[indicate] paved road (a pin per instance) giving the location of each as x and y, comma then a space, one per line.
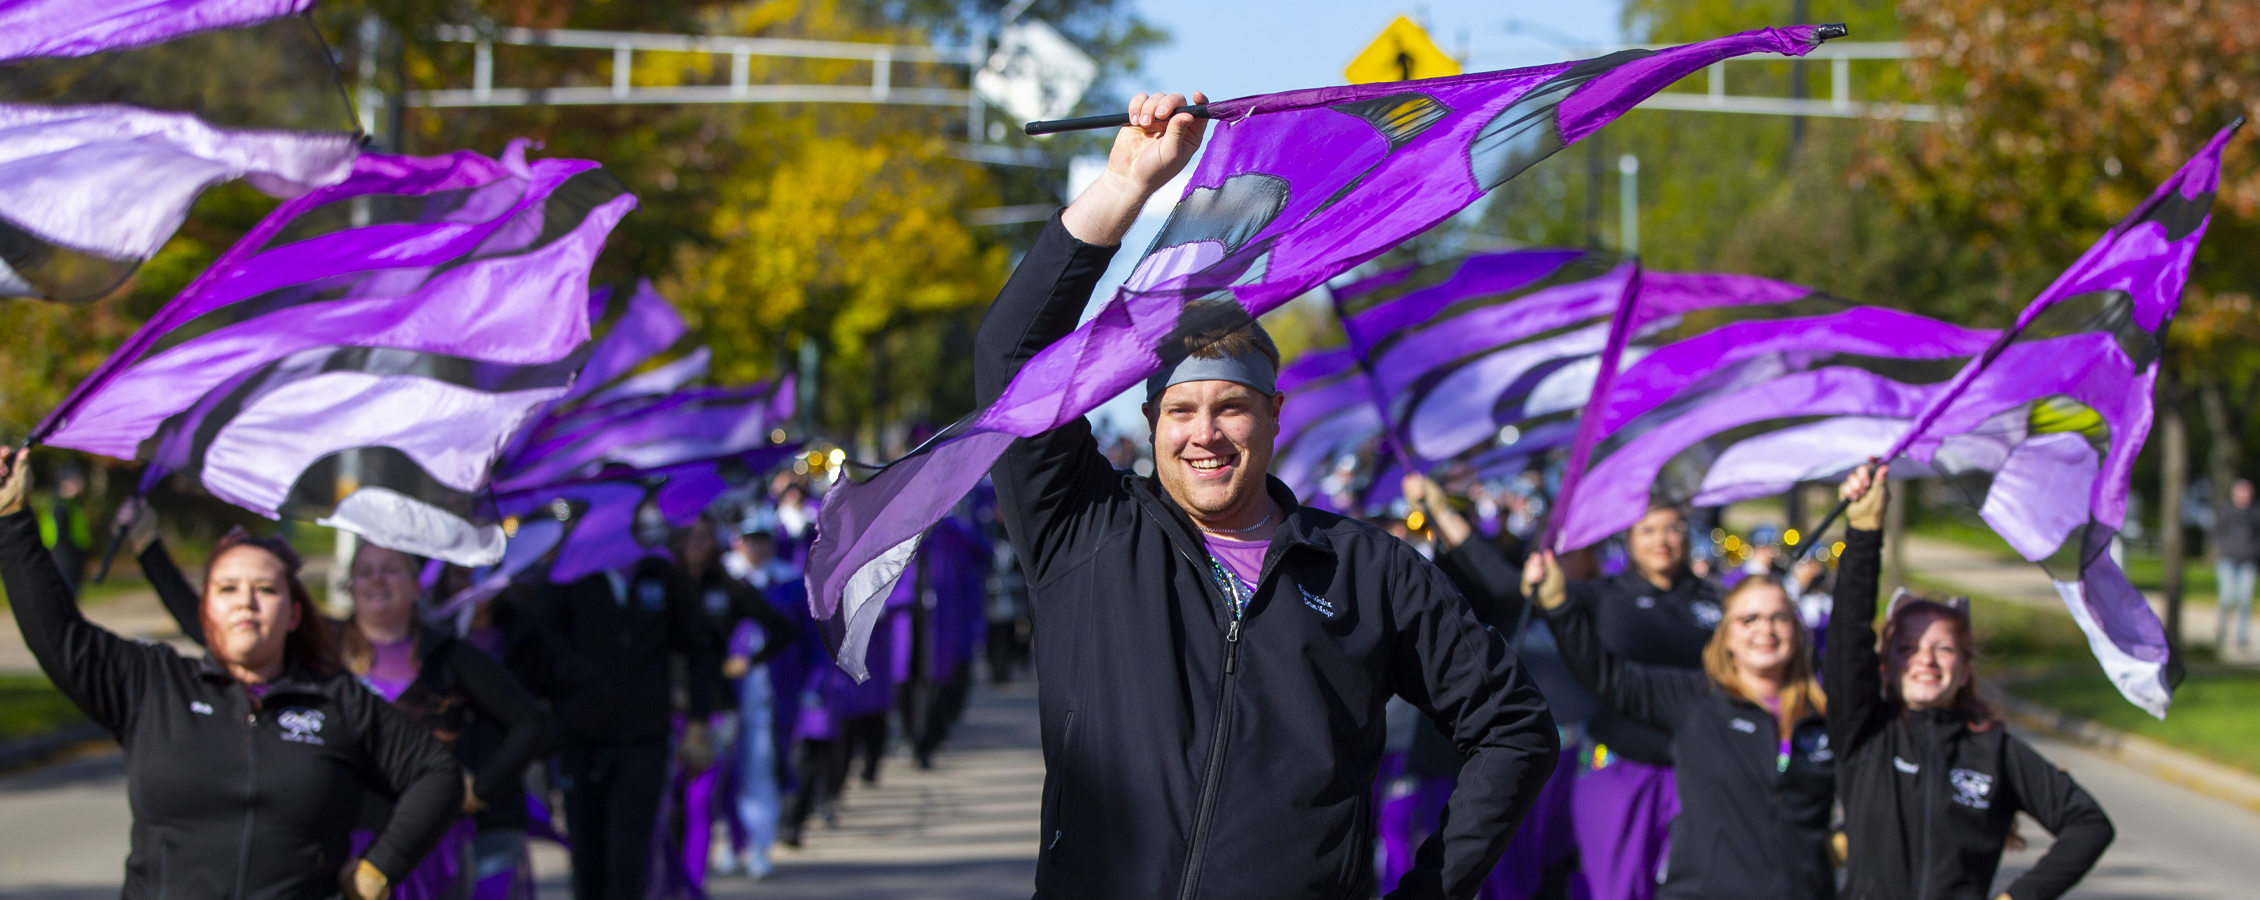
967, 830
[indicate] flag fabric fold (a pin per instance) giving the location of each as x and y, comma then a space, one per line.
1293, 189
82, 27
2039, 424
116, 114
362, 355
2043, 428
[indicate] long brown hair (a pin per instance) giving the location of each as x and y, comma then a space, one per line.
1801, 692
1980, 714
310, 644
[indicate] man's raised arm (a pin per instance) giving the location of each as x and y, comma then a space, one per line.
1040, 479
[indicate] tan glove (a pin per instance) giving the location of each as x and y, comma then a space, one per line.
1865, 487
1543, 581
698, 748
139, 519
364, 882
472, 805
17, 483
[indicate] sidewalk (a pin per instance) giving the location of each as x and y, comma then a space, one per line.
2017, 581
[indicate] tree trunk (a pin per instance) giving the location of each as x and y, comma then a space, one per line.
2227, 444
2173, 468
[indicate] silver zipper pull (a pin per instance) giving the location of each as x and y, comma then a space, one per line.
1232, 636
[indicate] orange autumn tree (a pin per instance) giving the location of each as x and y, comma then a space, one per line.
2062, 117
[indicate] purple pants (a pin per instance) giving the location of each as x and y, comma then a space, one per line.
1409, 809
1622, 813
444, 874
1544, 842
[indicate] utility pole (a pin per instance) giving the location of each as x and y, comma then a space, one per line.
1797, 12
1628, 204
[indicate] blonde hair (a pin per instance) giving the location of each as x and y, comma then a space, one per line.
1801, 690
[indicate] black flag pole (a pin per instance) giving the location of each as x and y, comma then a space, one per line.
1115, 120
1200, 110
117, 537
1819, 530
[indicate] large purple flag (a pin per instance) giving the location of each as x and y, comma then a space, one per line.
82, 27
361, 356
1294, 189
116, 114
2043, 427
2040, 423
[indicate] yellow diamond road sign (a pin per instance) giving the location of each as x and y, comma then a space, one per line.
1403, 52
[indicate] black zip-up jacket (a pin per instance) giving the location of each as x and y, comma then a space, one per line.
1187, 756
461, 695
1747, 828
232, 796
620, 646
1652, 628
1928, 800
1482, 571
726, 601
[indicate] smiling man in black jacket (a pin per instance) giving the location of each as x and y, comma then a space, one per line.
1214, 658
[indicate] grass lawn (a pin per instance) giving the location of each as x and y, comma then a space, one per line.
2216, 711
30, 705
2144, 567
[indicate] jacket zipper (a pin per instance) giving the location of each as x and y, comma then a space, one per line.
1218, 730
1930, 809
250, 796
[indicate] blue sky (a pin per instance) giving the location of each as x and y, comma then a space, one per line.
1232, 48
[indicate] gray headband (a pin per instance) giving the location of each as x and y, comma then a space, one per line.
1251, 368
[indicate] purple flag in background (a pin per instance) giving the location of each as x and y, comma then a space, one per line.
1730, 387
621, 516
81, 27
649, 432
1448, 360
1294, 188
361, 356
116, 114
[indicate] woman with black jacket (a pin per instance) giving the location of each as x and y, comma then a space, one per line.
245, 769
1755, 774
458, 693
1931, 780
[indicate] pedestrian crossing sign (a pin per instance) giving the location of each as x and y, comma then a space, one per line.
1403, 52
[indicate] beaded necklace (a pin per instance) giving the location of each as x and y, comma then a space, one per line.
1235, 589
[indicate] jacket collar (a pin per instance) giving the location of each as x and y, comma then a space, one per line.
1298, 525
293, 680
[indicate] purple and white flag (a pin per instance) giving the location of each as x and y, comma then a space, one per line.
1295, 188
362, 355
99, 189
648, 433
2040, 423
614, 519
31, 28
116, 114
